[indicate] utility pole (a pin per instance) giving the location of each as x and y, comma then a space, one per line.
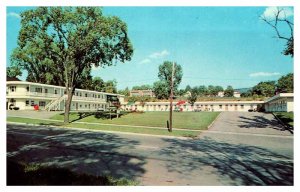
171, 99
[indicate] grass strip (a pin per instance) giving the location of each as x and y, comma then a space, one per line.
152, 131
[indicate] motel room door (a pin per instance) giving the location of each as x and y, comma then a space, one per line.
235, 107
76, 106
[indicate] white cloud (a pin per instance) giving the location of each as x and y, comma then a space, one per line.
145, 61
264, 74
13, 14
270, 12
159, 54
155, 55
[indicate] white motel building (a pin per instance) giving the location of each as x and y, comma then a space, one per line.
26, 95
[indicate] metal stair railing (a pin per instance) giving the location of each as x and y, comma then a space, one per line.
54, 104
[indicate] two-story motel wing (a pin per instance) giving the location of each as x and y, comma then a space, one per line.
26, 95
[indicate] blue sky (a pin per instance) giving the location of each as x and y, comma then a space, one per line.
215, 45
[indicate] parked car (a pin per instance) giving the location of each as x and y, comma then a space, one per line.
12, 107
100, 109
250, 110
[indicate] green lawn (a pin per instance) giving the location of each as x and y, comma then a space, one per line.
152, 131
286, 117
183, 120
192, 121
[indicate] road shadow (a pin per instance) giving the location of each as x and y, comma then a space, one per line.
262, 122
233, 164
91, 153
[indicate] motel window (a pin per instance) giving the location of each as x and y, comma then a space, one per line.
80, 106
76, 93
55, 91
46, 90
27, 89
27, 102
42, 103
86, 95
65, 92
220, 106
13, 88
32, 103
85, 106
80, 94
38, 90
98, 96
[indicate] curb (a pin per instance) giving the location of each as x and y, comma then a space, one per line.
91, 130
214, 121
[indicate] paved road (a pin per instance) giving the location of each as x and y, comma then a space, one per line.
218, 157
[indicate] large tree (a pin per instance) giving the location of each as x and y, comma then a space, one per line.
165, 75
229, 91
61, 44
161, 90
285, 83
202, 90
193, 97
266, 89
125, 92
279, 21
110, 86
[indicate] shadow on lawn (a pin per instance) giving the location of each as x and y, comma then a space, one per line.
262, 122
79, 151
242, 164
19, 174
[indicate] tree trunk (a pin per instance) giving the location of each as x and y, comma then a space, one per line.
68, 105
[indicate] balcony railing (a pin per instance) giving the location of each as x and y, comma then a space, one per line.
88, 99
53, 96
33, 94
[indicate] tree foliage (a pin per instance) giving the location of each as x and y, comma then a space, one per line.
285, 83
142, 87
110, 86
193, 98
165, 76
13, 71
266, 89
161, 90
229, 91
59, 45
125, 92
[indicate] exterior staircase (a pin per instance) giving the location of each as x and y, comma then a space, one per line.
54, 104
